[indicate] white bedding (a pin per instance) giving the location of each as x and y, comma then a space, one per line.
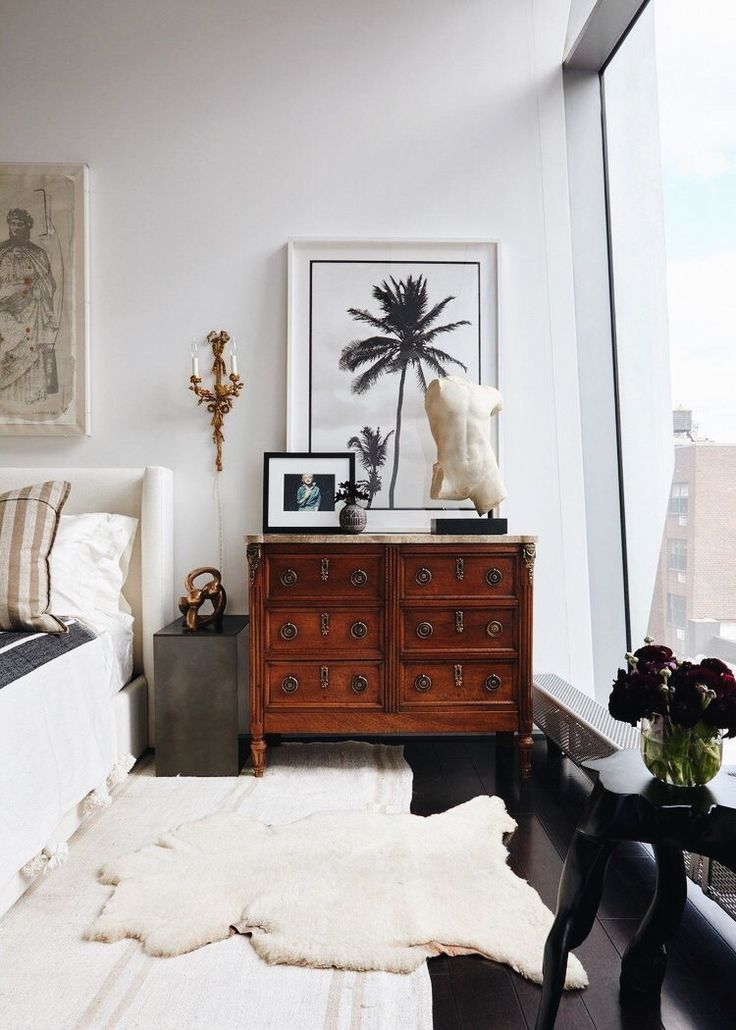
57, 741
117, 645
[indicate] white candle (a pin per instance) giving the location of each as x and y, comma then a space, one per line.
195, 357
234, 356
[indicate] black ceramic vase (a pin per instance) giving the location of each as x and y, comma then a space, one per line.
352, 518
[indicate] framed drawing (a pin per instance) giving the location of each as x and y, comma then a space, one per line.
371, 324
44, 356
299, 491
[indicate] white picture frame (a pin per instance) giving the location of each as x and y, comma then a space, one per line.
330, 277
44, 306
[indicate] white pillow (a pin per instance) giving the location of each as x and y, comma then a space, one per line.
89, 565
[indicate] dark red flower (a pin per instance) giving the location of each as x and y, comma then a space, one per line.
716, 665
655, 657
686, 697
635, 695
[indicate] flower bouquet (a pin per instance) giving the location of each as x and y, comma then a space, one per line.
683, 708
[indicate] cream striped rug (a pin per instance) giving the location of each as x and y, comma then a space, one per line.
52, 979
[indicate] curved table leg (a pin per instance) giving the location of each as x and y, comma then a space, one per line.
578, 898
644, 961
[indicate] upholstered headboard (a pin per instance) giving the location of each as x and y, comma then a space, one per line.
145, 493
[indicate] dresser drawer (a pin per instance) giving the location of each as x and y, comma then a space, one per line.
457, 574
324, 629
458, 683
356, 684
464, 629
321, 574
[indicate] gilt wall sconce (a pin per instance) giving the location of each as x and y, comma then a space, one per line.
219, 401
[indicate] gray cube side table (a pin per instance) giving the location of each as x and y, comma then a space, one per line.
196, 698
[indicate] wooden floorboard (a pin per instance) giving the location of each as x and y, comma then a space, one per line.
472, 993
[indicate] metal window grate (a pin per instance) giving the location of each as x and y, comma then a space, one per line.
583, 729
580, 726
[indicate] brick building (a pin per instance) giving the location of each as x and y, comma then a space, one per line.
695, 589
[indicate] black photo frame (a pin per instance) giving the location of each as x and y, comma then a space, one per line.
299, 489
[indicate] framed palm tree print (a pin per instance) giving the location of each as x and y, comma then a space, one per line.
371, 324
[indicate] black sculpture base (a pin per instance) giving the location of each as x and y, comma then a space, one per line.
471, 527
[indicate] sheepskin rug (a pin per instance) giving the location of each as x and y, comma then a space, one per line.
354, 890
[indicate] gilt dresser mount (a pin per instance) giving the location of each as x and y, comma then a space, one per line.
389, 634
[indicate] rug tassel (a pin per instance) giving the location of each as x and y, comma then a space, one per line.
100, 797
52, 856
56, 854
34, 866
119, 772
96, 799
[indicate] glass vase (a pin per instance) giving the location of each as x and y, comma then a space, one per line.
682, 756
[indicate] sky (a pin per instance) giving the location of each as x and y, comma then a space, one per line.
696, 71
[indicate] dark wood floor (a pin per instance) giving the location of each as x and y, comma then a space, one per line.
473, 993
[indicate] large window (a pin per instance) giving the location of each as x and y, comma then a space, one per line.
651, 142
671, 175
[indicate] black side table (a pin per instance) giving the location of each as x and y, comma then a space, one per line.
196, 698
627, 803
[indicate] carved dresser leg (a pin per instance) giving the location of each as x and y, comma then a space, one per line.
525, 756
258, 755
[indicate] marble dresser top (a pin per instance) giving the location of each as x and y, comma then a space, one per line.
386, 538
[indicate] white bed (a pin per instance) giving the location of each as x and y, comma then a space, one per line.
67, 722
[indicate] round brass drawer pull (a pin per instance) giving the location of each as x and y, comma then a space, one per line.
494, 629
359, 578
425, 630
288, 631
422, 683
359, 684
290, 685
492, 683
494, 577
358, 630
423, 576
288, 578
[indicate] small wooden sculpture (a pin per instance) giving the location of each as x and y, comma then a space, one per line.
195, 597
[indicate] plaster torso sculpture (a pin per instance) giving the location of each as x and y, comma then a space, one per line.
466, 467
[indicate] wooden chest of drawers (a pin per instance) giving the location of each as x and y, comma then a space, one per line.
390, 635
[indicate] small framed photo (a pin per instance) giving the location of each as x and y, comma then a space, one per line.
299, 491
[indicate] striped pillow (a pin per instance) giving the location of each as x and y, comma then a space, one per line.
28, 521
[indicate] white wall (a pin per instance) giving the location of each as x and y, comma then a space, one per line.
215, 131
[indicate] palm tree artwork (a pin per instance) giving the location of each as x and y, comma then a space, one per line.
373, 452
407, 332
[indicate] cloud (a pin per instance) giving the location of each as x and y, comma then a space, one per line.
702, 326
697, 86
